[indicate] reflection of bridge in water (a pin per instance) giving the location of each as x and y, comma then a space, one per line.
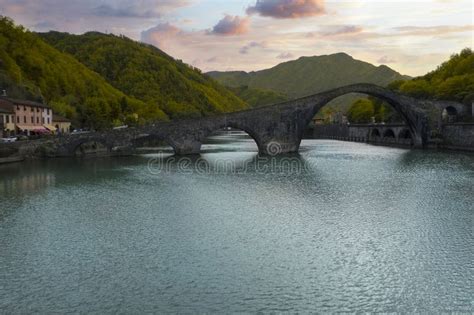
276, 128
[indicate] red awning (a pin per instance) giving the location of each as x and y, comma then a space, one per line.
38, 129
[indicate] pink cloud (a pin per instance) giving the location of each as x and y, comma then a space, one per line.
287, 9
287, 55
385, 60
231, 25
245, 49
343, 30
160, 34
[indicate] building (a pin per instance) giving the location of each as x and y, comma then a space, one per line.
7, 118
62, 124
32, 117
318, 121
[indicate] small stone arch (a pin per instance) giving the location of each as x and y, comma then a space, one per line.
375, 134
156, 138
389, 133
450, 114
74, 146
405, 137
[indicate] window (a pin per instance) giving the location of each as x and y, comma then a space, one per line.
7, 118
17, 119
32, 120
17, 107
24, 108
48, 111
49, 120
24, 119
37, 120
32, 109
37, 109
42, 120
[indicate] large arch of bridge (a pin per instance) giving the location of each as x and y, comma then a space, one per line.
371, 90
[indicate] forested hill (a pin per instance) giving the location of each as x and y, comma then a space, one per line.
31, 68
311, 75
452, 80
148, 74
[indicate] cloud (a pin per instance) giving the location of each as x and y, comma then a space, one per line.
385, 60
79, 16
139, 9
285, 56
231, 25
287, 9
160, 34
213, 59
432, 30
45, 25
245, 49
343, 30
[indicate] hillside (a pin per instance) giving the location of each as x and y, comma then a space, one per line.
148, 74
452, 80
310, 75
258, 97
31, 68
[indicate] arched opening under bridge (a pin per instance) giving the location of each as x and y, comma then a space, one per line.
450, 115
405, 137
360, 117
229, 139
153, 144
375, 134
92, 147
389, 133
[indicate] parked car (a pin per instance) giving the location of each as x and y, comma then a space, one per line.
9, 139
79, 131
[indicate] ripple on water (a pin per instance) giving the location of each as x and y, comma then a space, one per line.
361, 228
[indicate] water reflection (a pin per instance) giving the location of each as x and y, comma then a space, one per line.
360, 228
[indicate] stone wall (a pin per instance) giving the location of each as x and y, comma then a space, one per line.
363, 133
458, 136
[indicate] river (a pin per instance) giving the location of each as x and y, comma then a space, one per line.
341, 227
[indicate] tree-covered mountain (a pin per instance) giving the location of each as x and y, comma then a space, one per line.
453, 80
311, 75
31, 68
146, 73
258, 97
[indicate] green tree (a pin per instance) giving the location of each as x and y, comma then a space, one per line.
361, 111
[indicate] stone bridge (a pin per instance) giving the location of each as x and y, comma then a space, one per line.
275, 128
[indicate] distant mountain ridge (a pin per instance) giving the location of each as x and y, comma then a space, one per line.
311, 75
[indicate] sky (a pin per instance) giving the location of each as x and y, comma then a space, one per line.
411, 36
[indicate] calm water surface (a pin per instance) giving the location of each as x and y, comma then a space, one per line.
357, 228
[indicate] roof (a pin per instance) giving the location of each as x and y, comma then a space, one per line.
6, 107
57, 118
27, 103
